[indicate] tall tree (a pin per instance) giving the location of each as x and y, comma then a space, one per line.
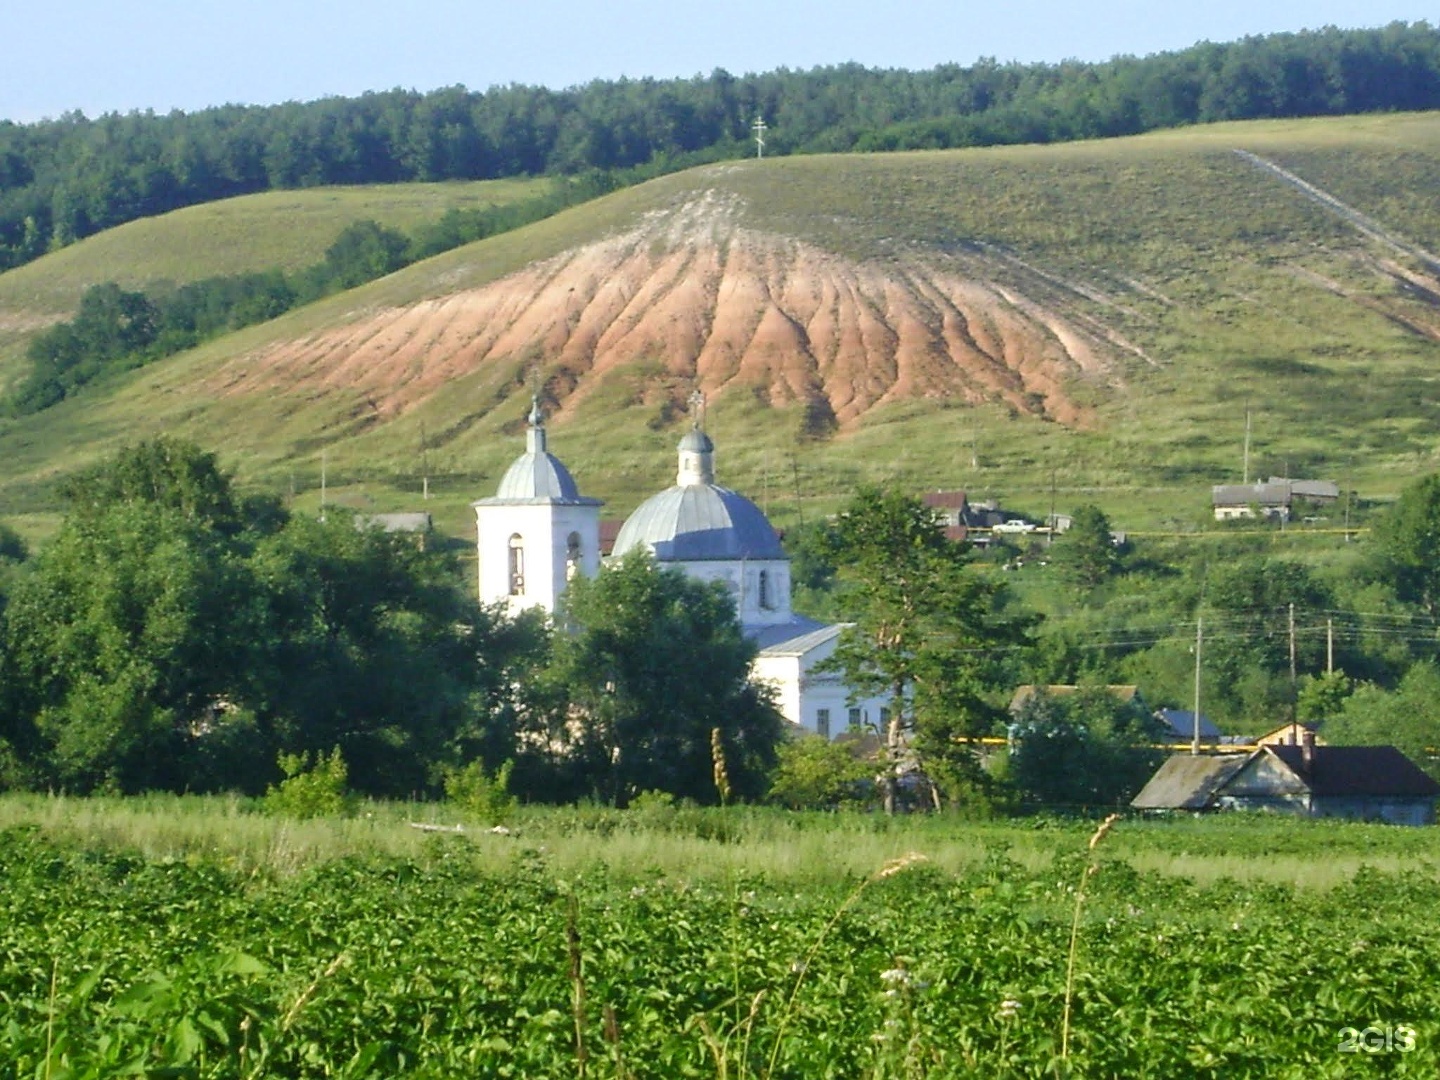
1408, 540
1085, 555
929, 632
651, 663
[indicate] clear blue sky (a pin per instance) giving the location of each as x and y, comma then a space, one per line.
104, 55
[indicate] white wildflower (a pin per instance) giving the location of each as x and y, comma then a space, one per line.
1009, 1009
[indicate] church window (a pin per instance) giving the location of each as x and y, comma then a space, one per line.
856, 718
822, 722
517, 565
572, 556
766, 600
884, 716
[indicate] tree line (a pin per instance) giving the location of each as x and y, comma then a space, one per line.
64, 179
118, 329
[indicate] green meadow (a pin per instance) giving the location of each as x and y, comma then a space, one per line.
192, 937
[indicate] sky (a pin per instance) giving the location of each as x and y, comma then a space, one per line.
121, 55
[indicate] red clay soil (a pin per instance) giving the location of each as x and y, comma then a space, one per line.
728, 306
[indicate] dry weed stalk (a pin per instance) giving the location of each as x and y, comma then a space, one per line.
1085, 875
309, 992
612, 1036
722, 774
890, 869
577, 981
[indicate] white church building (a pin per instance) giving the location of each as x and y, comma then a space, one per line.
538, 531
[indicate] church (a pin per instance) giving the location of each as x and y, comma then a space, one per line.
537, 532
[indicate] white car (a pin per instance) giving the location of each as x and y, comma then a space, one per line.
1014, 525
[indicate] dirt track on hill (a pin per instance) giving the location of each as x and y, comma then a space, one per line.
706, 299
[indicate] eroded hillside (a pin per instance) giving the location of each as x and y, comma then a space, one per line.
711, 300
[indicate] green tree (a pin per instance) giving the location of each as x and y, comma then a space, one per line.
369, 646
1085, 749
1407, 717
1085, 555
647, 664
164, 472
365, 251
814, 773
1408, 540
123, 640
929, 632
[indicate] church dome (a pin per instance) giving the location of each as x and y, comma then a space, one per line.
538, 475
699, 521
696, 442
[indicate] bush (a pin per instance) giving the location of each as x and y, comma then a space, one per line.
481, 795
310, 791
816, 774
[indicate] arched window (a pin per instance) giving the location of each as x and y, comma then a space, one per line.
572, 556
766, 600
517, 565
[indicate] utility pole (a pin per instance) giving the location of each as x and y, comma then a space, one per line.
1247, 446
324, 465
1329, 646
1199, 639
1050, 537
759, 128
974, 447
424, 463
1292, 648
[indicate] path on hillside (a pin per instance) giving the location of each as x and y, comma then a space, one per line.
1367, 225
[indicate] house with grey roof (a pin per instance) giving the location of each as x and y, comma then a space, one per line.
1369, 783
1274, 498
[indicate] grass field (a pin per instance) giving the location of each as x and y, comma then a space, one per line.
1242, 293
190, 937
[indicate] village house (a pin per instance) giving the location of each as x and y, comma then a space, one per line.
1369, 783
1272, 498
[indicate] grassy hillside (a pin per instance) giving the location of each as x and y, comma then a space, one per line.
286, 229
1223, 286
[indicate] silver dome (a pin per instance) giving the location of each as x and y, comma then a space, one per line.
696, 441
699, 521
538, 475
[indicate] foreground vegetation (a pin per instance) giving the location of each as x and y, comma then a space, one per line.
709, 943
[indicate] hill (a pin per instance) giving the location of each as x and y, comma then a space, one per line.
1088, 319
284, 229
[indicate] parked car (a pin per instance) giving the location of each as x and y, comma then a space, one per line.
1014, 525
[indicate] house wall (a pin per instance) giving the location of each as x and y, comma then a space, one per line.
1394, 809
802, 692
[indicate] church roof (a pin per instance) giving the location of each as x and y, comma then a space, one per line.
794, 638
700, 521
697, 519
537, 476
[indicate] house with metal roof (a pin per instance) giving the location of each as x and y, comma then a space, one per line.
1181, 725
1370, 783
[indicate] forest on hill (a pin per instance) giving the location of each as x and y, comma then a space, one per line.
64, 179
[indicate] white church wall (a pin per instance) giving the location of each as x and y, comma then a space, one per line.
543, 531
